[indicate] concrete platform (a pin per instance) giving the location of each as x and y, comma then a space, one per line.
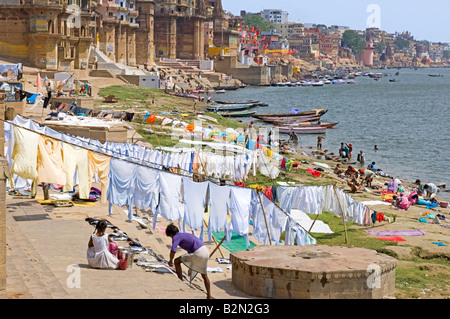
314, 272
46, 258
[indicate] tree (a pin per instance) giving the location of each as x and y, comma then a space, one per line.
401, 43
351, 39
380, 46
446, 54
258, 22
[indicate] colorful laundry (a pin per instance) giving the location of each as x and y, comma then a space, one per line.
393, 238
396, 232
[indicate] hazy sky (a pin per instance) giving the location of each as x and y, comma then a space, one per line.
426, 20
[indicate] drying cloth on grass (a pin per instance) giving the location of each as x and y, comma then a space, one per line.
393, 238
439, 243
237, 243
396, 232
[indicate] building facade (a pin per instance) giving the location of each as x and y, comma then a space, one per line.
276, 16
51, 34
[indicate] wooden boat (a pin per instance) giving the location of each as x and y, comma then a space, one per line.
239, 102
299, 130
313, 112
290, 119
185, 95
308, 124
244, 113
228, 88
229, 107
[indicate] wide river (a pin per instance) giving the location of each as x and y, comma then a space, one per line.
408, 120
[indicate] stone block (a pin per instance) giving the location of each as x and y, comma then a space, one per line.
314, 271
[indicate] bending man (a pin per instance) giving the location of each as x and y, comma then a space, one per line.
196, 258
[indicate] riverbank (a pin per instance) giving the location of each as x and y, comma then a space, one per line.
424, 269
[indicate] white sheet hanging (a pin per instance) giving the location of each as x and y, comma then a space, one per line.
219, 204
194, 197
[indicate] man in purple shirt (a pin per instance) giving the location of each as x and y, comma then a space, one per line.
196, 258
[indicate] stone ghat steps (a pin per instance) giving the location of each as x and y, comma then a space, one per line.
188, 67
28, 275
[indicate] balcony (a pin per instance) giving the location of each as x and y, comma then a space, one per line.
35, 2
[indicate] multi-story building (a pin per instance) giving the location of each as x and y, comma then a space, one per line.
276, 16
117, 28
179, 28
329, 45
51, 34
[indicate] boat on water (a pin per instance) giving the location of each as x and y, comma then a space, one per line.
185, 95
239, 102
220, 91
314, 112
300, 130
317, 83
307, 124
288, 120
227, 88
244, 113
436, 75
229, 107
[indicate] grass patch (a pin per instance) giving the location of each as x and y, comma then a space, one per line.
355, 235
162, 140
226, 122
421, 280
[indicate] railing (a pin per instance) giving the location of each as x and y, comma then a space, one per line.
42, 2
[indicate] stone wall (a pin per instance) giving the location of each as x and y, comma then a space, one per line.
3, 170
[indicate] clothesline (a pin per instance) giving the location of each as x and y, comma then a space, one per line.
158, 159
285, 197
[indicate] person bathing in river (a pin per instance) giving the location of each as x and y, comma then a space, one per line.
349, 150
319, 142
361, 158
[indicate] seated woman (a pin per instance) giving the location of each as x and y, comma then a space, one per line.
338, 169
98, 253
351, 172
404, 202
354, 183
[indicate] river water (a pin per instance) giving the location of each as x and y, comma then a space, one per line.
408, 120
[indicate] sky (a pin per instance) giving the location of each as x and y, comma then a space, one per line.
425, 20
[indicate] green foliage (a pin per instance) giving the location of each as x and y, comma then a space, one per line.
258, 22
401, 43
381, 47
446, 54
351, 39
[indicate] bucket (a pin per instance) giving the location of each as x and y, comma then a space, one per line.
443, 204
127, 255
